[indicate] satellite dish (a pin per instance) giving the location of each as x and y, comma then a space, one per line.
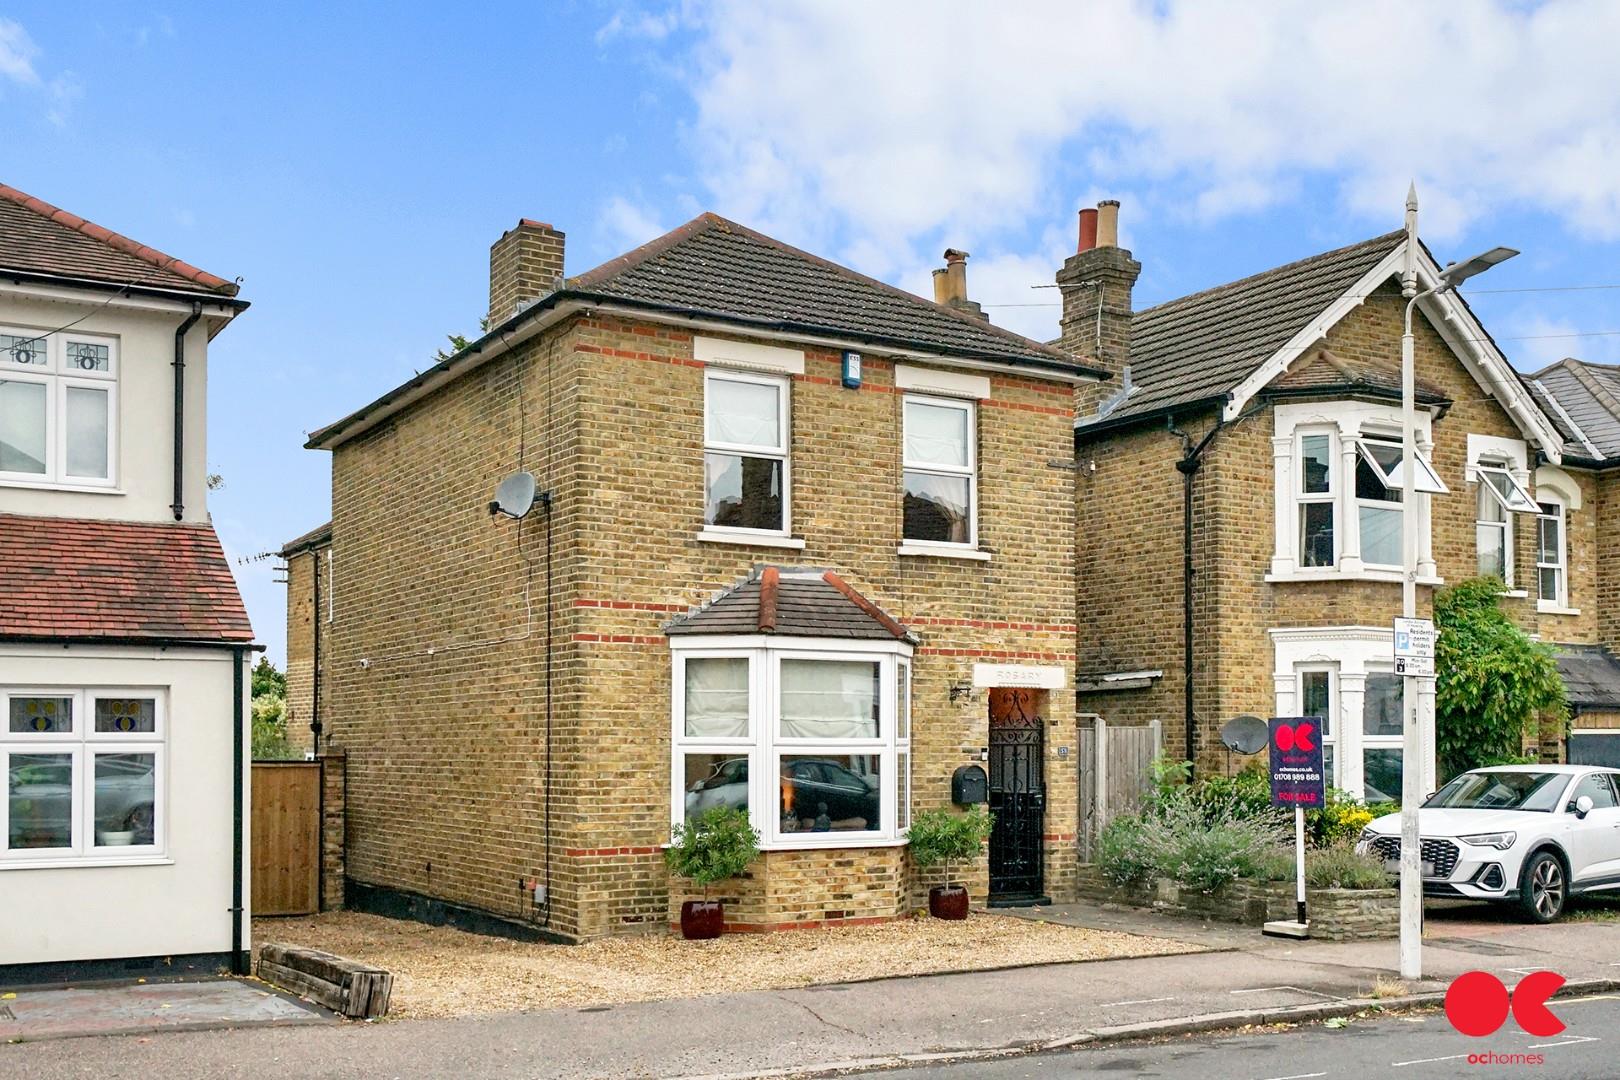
1245, 734
515, 496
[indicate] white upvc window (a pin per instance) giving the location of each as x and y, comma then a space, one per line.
811, 738
58, 408
84, 775
1381, 736
1318, 698
1493, 536
939, 473
1316, 493
746, 471
1552, 553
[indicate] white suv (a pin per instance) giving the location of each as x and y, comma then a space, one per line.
1533, 834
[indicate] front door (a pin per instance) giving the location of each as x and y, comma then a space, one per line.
1017, 794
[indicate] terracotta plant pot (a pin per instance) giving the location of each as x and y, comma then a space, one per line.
948, 902
702, 919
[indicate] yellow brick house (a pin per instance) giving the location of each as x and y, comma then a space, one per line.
800, 542
1240, 485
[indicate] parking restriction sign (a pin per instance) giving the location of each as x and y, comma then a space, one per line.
1414, 647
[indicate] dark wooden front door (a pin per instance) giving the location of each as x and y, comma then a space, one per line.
1017, 794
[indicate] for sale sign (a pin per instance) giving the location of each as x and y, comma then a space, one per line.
1296, 762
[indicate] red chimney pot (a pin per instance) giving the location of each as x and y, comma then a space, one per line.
1088, 229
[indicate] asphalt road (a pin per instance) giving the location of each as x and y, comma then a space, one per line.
1410, 1048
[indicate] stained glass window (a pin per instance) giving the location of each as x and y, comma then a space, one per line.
16, 349
41, 715
88, 356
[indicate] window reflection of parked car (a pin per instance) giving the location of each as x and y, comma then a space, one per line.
41, 802
727, 785
825, 788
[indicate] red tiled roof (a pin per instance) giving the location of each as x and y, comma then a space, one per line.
84, 580
47, 239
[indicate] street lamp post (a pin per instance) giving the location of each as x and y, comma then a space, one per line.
1411, 744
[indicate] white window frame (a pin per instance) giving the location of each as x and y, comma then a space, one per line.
1517, 500
1365, 456
1332, 737
764, 747
1560, 602
1303, 498
782, 451
1347, 424
84, 745
1486, 493
970, 471
1375, 742
57, 378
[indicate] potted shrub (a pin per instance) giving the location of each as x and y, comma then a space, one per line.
944, 838
711, 846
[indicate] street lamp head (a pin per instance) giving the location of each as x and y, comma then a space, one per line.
1458, 272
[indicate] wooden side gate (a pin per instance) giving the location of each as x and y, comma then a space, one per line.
1116, 774
286, 837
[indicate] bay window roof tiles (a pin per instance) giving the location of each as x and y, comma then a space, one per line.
791, 601
81, 580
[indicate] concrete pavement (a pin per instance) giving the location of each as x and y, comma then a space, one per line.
848, 1026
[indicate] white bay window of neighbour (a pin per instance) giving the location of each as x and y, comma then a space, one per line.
83, 775
745, 459
813, 745
58, 404
1552, 582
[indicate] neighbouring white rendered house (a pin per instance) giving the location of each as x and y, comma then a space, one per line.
124, 645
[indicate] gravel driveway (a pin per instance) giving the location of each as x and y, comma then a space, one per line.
440, 972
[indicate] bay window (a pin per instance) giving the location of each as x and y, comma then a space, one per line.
939, 472
1552, 578
83, 774
1381, 734
745, 452
1316, 699
1316, 498
58, 408
810, 738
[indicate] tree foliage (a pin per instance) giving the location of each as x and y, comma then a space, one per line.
716, 844
270, 741
1492, 681
947, 838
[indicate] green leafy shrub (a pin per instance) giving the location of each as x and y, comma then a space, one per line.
717, 844
1493, 680
1273, 864
1342, 867
946, 838
1338, 822
1120, 855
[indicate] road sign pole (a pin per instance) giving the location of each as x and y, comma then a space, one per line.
1411, 952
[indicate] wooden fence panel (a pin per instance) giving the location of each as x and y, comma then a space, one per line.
286, 837
1116, 774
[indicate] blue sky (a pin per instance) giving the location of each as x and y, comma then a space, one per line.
352, 163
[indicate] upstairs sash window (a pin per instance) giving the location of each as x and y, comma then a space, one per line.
745, 452
940, 472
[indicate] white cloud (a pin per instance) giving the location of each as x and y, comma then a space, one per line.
629, 224
632, 23
878, 126
17, 52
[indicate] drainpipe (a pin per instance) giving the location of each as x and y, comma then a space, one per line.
179, 504
315, 662
1192, 458
238, 961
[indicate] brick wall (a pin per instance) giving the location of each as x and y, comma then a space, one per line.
1606, 559
334, 787
446, 748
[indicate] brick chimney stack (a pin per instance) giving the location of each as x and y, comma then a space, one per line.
950, 285
525, 264
1096, 283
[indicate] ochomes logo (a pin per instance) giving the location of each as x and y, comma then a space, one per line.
1477, 1004
1299, 737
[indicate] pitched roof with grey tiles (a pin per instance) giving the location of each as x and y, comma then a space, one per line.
1583, 399
38, 238
1591, 675
722, 272
791, 601
716, 267
1200, 347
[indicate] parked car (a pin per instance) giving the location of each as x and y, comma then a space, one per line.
1526, 834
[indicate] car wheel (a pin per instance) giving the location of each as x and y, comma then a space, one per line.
1543, 887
